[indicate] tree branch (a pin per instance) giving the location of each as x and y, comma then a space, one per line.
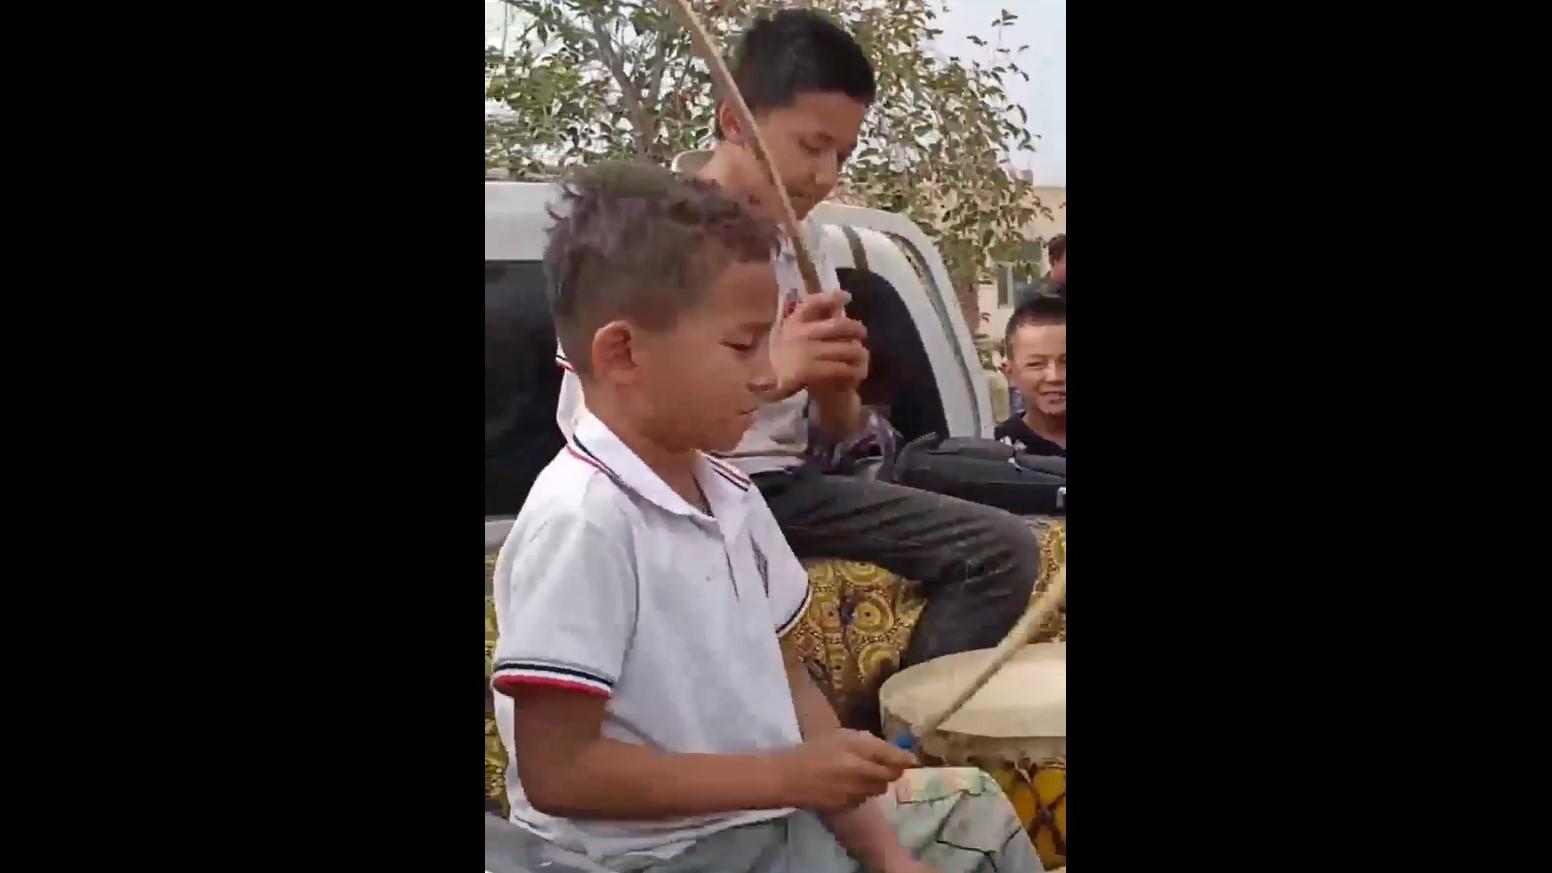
634, 108
655, 72
660, 65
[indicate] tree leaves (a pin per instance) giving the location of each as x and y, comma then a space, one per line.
933, 147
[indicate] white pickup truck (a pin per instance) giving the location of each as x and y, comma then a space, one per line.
925, 372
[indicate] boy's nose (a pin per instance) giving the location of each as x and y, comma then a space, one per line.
826, 171
763, 380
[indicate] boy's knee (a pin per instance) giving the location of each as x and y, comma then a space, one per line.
1020, 552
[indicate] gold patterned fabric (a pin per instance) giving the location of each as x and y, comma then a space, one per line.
861, 617
1052, 533
1038, 792
495, 753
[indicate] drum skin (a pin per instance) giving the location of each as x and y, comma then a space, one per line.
1014, 729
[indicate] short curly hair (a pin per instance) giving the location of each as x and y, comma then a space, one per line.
640, 242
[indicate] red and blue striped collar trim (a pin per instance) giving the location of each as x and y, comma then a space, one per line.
729, 473
582, 453
732, 474
727, 488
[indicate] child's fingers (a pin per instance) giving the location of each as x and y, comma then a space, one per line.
818, 307
832, 329
847, 352
872, 770
888, 754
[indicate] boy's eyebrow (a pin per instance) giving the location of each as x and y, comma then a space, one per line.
826, 139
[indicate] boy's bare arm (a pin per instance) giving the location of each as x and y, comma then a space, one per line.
862, 830
815, 715
569, 770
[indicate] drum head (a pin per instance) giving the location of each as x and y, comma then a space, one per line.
1026, 698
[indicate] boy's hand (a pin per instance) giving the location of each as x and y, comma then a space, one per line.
838, 769
819, 347
904, 863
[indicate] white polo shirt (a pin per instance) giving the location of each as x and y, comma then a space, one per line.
779, 435
612, 584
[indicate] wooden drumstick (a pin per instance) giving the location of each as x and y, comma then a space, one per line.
724, 79
1023, 632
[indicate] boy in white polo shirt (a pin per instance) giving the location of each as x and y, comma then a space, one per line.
651, 718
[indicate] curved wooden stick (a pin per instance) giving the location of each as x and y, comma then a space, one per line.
724, 79
1023, 631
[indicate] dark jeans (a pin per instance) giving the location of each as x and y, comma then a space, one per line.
976, 564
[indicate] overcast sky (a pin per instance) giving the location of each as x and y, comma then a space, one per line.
1041, 24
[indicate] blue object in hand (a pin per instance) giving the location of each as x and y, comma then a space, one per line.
904, 740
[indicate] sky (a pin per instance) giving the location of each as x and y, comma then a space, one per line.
1041, 24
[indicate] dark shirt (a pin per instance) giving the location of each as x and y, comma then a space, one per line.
1017, 434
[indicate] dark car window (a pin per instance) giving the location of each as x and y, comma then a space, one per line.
900, 379
522, 383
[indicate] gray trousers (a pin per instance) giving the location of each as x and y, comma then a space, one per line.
976, 564
955, 820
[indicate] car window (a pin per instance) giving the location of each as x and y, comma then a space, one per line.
900, 378
522, 383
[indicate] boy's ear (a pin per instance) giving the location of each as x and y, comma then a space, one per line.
732, 129
613, 352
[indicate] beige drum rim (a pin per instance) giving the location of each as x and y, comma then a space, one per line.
1020, 716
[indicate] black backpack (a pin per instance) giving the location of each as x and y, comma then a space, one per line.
982, 471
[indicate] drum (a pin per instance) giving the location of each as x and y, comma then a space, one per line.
1014, 728
861, 617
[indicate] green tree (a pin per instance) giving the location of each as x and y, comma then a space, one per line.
582, 80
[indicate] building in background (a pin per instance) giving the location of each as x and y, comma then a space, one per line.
996, 297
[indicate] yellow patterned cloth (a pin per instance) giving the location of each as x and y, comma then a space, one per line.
861, 618
857, 623
1038, 792
495, 753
